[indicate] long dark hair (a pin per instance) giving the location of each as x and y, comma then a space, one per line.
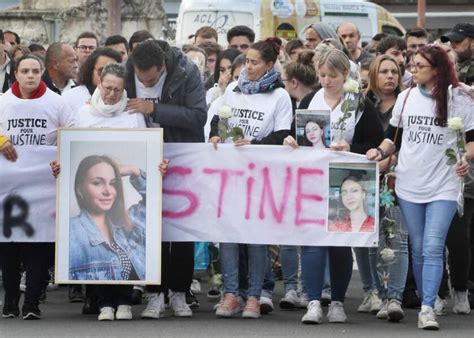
87, 69
446, 76
228, 54
117, 213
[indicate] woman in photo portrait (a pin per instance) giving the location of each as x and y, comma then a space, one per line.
354, 216
314, 135
107, 241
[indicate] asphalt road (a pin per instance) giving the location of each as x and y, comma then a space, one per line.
61, 319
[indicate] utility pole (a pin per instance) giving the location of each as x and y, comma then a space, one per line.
114, 18
421, 21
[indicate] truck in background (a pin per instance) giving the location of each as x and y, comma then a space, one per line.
283, 18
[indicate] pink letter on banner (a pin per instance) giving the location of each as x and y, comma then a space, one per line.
225, 174
268, 190
300, 196
193, 199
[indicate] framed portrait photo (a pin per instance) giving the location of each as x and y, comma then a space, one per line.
313, 128
353, 198
108, 221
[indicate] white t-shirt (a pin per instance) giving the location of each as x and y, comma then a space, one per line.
34, 121
213, 110
123, 120
319, 103
76, 97
259, 114
152, 94
423, 174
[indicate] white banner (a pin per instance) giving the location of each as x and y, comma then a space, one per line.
28, 196
269, 195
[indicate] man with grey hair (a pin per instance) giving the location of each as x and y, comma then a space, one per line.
350, 36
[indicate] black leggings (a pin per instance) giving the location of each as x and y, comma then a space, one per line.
35, 258
459, 247
177, 267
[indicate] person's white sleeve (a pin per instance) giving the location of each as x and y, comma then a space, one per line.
213, 110
284, 111
67, 117
397, 109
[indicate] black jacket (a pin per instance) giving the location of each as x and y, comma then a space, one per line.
9, 77
181, 111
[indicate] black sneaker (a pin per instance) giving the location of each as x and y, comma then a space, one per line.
191, 300
137, 295
75, 294
11, 309
90, 306
31, 312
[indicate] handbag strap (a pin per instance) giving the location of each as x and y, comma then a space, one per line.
401, 115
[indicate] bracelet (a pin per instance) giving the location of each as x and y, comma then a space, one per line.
381, 152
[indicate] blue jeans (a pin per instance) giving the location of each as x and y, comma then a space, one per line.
257, 257
428, 225
313, 262
397, 269
269, 279
367, 263
371, 265
289, 266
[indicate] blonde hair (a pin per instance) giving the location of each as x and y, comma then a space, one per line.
337, 60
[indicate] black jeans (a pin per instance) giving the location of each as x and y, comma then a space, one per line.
459, 246
113, 295
35, 258
177, 267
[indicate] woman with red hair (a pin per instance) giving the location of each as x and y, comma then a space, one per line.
427, 187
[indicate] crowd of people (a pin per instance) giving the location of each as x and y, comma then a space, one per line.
407, 91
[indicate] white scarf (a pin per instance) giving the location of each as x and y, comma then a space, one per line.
99, 108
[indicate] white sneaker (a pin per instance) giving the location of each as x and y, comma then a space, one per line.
427, 319
314, 315
366, 304
124, 312
336, 313
383, 312
196, 287
303, 300
394, 310
266, 305
290, 300
106, 313
178, 304
155, 307
461, 303
440, 306
375, 302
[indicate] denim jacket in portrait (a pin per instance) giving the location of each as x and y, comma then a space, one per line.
90, 257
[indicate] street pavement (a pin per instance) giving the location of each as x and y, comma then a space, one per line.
62, 319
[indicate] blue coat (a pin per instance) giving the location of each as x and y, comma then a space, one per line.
90, 257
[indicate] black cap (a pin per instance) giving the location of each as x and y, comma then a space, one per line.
459, 33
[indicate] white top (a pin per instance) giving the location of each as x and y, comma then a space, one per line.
423, 174
151, 93
34, 121
123, 120
319, 103
76, 97
259, 114
213, 110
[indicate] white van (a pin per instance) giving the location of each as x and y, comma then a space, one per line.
283, 18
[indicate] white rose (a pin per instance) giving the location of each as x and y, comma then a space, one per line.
456, 123
225, 112
387, 254
351, 86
